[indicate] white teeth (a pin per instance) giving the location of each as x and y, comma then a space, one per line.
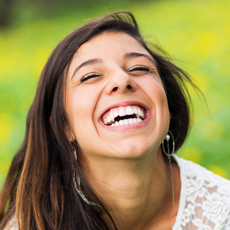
108, 119
126, 121
129, 110
130, 121
135, 110
115, 113
140, 113
111, 115
121, 122
122, 112
139, 119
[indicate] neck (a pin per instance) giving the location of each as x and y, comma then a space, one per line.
137, 192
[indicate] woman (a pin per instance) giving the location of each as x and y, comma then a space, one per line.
108, 114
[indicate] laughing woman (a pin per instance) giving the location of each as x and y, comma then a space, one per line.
108, 115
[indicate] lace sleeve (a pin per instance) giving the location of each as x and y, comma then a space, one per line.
205, 199
12, 224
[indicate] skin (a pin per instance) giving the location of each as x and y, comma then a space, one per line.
124, 164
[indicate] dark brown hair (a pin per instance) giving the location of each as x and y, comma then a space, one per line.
39, 188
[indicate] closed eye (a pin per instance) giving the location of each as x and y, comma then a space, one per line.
139, 68
90, 76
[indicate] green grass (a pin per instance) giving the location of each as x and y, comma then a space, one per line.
194, 32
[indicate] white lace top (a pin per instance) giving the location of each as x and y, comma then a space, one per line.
204, 200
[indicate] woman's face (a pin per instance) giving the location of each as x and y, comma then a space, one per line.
115, 100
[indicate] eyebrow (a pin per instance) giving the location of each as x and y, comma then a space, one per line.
98, 60
134, 54
88, 62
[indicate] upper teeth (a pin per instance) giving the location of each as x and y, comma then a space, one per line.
122, 111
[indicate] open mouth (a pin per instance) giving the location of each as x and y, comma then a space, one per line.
124, 115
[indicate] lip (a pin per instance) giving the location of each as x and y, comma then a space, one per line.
127, 103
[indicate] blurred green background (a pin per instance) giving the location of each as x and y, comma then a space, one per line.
195, 33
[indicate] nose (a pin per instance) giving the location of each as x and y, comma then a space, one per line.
120, 82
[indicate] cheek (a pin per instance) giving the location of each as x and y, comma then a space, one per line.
153, 87
81, 106
157, 96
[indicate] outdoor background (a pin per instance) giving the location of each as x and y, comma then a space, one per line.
196, 33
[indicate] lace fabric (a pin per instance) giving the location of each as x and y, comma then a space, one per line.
12, 225
204, 200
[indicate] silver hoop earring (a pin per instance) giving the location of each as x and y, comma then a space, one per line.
167, 138
169, 155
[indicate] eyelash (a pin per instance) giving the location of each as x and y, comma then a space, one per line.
88, 76
134, 68
140, 68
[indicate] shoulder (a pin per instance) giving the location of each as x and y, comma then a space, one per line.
12, 224
198, 179
203, 177
205, 197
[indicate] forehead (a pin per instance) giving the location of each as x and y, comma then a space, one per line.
108, 45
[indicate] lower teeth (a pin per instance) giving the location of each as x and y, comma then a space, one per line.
127, 121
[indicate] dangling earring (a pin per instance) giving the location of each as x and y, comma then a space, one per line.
78, 183
169, 155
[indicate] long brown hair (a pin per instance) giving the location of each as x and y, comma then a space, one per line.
39, 188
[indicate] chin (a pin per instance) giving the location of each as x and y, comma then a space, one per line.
131, 151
